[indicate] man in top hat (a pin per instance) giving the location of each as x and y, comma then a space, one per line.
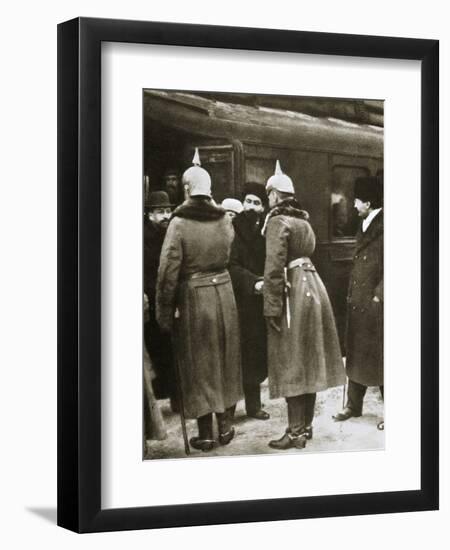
159, 210
364, 362
195, 301
304, 355
248, 254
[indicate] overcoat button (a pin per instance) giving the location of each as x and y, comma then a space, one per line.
308, 294
304, 278
214, 280
365, 258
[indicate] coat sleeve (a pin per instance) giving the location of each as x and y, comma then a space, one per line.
150, 274
168, 274
276, 256
243, 279
379, 289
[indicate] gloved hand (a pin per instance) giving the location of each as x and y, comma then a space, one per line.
274, 322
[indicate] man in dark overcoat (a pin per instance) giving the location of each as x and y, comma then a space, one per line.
248, 254
158, 344
304, 355
365, 300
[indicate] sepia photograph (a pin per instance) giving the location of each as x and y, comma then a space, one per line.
263, 245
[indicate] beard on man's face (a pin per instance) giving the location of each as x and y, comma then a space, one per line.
252, 216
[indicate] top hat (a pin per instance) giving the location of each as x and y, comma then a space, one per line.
279, 181
369, 189
158, 199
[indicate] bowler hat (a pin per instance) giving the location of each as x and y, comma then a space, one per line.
369, 189
158, 199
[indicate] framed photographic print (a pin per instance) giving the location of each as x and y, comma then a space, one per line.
248, 250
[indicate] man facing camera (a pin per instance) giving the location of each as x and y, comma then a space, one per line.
247, 269
159, 346
365, 300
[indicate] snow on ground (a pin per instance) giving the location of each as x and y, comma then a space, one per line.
252, 436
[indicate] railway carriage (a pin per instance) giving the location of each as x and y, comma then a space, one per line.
322, 144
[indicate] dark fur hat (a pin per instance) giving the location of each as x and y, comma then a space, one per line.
369, 189
257, 189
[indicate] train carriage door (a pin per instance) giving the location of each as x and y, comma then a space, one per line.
223, 164
343, 224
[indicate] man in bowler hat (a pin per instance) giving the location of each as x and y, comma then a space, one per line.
364, 339
158, 343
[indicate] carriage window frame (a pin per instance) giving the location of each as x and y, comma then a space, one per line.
332, 237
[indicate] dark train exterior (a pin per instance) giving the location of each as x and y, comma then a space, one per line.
240, 142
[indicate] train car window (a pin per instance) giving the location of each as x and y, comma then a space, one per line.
219, 162
259, 169
344, 220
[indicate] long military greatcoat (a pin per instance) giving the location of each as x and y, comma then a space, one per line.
195, 300
305, 358
364, 316
248, 254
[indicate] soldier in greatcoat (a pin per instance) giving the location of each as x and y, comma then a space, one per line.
304, 355
248, 254
195, 301
364, 362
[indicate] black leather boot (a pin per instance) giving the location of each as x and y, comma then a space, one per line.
204, 445
225, 425
225, 438
259, 415
204, 441
289, 440
345, 414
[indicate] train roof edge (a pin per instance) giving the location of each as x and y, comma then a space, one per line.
261, 125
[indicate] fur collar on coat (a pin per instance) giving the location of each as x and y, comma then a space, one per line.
200, 209
287, 207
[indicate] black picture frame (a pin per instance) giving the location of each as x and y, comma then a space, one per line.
79, 274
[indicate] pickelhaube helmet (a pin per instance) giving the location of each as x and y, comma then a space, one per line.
279, 181
197, 178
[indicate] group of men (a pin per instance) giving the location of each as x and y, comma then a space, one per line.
234, 299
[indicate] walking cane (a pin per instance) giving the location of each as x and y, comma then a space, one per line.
179, 391
343, 395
